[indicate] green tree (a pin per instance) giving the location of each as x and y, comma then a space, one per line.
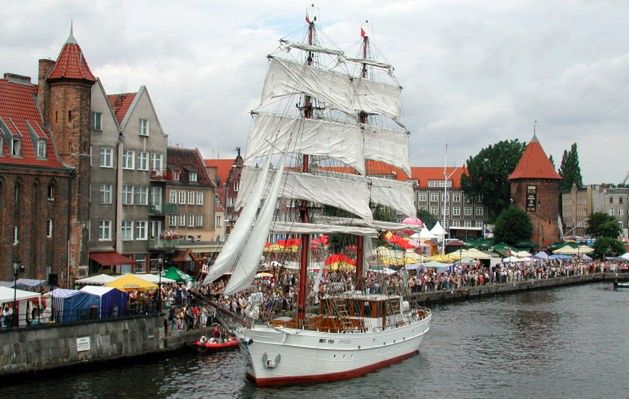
487, 174
570, 170
428, 219
513, 225
603, 225
552, 161
607, 246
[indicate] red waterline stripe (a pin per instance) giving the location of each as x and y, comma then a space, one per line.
343, 375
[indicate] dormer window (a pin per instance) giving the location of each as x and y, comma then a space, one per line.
1, 145
176, 175
144, 127
16, 147
41, 149
193, 176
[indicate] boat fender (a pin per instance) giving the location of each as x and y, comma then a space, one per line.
203, 339
271, 363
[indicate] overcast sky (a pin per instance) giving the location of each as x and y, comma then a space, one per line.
474, 72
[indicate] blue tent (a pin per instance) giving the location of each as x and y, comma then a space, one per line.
111, 301
72, 305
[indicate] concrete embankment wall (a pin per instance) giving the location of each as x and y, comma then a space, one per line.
465, 293
48, 347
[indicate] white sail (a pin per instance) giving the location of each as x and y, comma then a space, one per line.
349, 193
238, 237
378, 64
398, 195
387, 145
288, 45
247, 263
378, 225
376, 97
288, 78
319, 228
275, 134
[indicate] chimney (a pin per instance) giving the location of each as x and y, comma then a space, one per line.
43, 91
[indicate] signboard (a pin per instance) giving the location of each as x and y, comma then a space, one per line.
83, 344
531, 198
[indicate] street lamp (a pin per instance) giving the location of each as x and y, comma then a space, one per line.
18, 267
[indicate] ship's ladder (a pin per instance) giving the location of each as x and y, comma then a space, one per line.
342, 315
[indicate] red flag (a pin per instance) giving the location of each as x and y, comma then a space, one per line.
363, 34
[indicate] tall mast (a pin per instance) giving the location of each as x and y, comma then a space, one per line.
303, 206
360, 241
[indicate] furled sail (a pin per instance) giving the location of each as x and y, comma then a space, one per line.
314, 228
349, 193
238, 236
247, 263
288, 45
387, 145
395, 194
275, 134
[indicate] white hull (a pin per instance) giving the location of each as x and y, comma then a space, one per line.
276, 355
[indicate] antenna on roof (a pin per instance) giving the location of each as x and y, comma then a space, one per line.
534, 131
71, 38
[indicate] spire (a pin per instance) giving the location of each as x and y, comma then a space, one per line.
71, 39
534, 139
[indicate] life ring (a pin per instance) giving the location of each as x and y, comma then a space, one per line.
203, 339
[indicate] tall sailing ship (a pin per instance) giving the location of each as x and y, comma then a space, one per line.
324, 121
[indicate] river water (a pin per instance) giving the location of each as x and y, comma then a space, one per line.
568, 342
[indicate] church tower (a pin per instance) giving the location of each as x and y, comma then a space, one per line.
65, 99
535, 189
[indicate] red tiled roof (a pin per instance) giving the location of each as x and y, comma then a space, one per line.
71, 63
534, 164
373, 168
18, 112
223, 166
120, 103
110, 258
189, 159
425, 173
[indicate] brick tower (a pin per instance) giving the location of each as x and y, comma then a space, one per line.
535, 189
66, 104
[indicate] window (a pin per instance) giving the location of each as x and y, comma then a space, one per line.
176, 175
143, 160
182, 220
106, 157
156, 228
172, 197
467, 211
456, 223
456, 197
126, 233
434, 197
479, 223
199, 220
422, 197
172, 220
49, 228
193, 176
128, 159
96, 116
142, 196
620, 212
127, 195
144, 127
199, 198
445, 211
41, 149
445, 197
611, 200
140, 261
467, 223
104, 230
106, 194
230, 202
182, 197
157, 161
611, 211
16, 147
236, 185
434, 210
51, 192
479, 211
219, 221
190, 197
1, 143
190, 220
156, 196
141, 230
16, 235
620, 200
456, 211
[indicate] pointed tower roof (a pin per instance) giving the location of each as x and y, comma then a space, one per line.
71, 63
534, 164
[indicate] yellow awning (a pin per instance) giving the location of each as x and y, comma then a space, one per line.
129, 282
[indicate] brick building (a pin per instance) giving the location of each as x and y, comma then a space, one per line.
225, 173
535, 189
36, 188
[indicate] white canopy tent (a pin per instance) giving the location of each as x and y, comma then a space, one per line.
100, 279
8, 294
153, 278
437, 231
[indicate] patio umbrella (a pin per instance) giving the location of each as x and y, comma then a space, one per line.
584, 249
413, 222
566, 250
175, 274
129, 282
471, 253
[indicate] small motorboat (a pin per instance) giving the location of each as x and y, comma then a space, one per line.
204, 344
621, 284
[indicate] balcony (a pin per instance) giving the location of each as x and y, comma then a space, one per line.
162, 209
182, 243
